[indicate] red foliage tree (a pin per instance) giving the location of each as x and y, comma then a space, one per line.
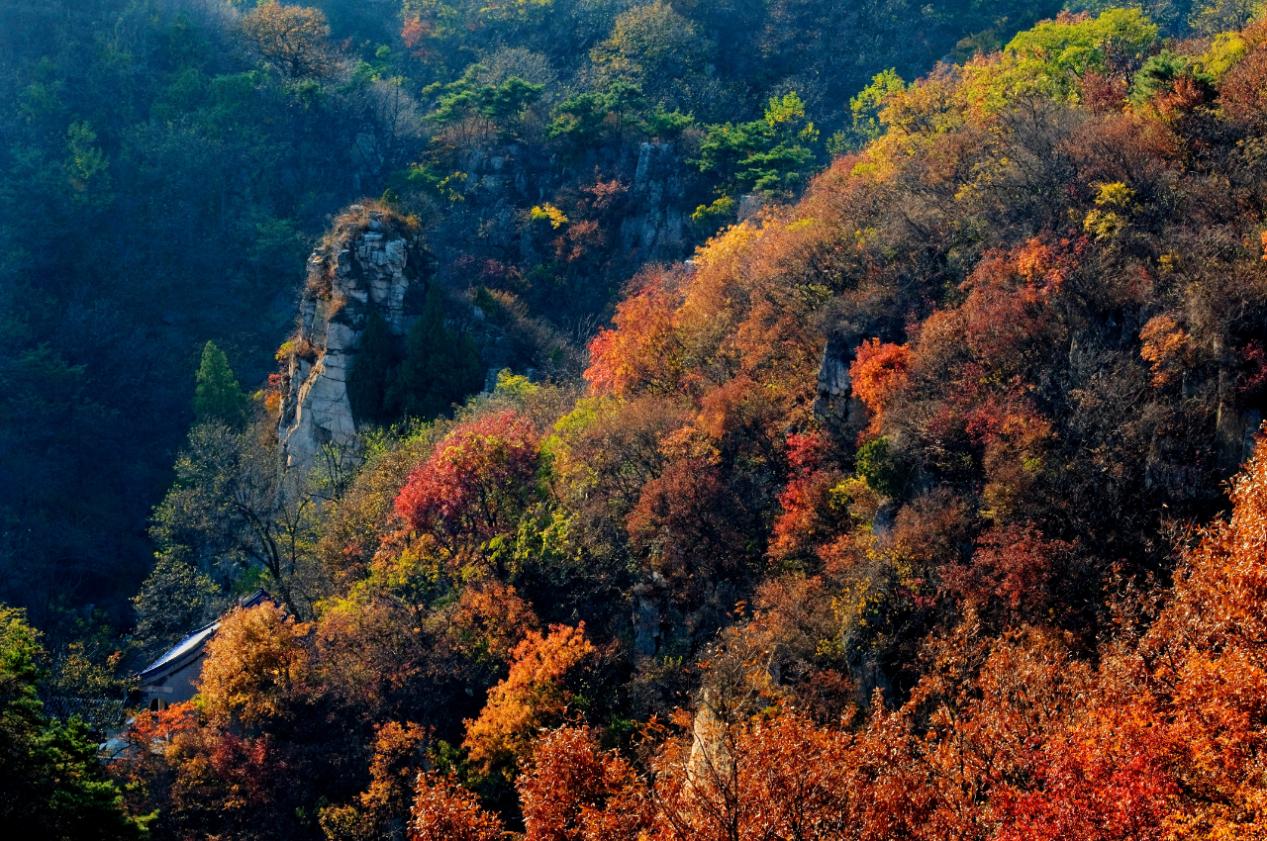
878, 371
1105, 780
475, 480
575, 791
1210, 666
686, 523
1012, 571
804, 519
640, 349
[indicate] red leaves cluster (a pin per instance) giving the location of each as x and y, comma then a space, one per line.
473, 479
1006, 305
576, 791
803, 521
679, 522
205, 775
1013, 567
639, 350
1104, 780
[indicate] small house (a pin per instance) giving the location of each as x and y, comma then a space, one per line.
173, 677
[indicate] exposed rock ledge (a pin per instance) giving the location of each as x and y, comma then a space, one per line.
373, 260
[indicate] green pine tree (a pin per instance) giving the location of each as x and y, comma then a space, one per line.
217, 396
371, 371
55, 785
441, 366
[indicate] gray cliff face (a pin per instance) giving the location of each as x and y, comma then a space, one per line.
372, 262
656, 227
834, 388
654, 216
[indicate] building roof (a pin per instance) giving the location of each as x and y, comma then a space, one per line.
193, 642
190, 647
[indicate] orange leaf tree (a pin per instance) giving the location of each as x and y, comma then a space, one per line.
536, 693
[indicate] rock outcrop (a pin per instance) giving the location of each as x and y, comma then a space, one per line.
656, 224
834, 388
503, 181
372, 261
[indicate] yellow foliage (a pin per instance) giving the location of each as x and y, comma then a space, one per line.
1103, 224
257, 664
1225, 50
1113, 194
548, 213
1163, 346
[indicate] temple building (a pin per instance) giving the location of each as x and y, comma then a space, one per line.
173, 677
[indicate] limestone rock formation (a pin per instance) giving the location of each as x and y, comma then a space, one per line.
372, 261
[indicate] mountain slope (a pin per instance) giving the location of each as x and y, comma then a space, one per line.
874, 519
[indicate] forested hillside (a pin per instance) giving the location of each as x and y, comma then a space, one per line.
166, 164
692, 428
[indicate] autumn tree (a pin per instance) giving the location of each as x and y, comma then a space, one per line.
806, 515
878, 371
540, 690
1016, 572
257, 668
1210, 667
370, 652
445, 811
573, 790
382, 810
487, 623
291, 38
475, 481
640, 350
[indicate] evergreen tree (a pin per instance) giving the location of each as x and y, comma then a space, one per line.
371, 371
217, 396
441, 366
52, 784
